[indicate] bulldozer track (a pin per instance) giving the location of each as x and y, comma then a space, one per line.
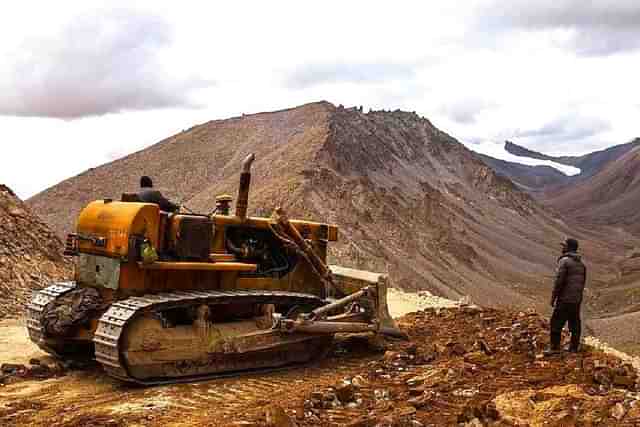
112, 324
36, 306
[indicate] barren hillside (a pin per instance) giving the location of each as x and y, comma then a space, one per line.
529, 178
540, 180
610, 197
410, 199
589, 164
30, 253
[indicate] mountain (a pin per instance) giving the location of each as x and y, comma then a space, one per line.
30, 253
605, 193
527, 177
409, 199
609, 197
536, 178
589, 164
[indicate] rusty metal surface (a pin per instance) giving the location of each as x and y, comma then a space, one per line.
327, 327
350, 280
194, 238
112, 325
98, 270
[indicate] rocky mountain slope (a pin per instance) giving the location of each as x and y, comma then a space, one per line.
30, 253
409, 199
540, 179
589, 164
609, 197
529, 178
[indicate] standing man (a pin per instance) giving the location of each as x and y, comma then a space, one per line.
148, 194
567, 296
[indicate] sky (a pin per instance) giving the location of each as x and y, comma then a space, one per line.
86, 82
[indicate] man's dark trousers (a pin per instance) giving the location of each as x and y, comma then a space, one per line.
564, 312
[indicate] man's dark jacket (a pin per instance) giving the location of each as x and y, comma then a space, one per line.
149, 195
570, 279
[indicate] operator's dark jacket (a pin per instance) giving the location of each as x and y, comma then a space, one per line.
149, 195
570, 279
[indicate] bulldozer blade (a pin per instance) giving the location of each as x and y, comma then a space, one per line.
350, 281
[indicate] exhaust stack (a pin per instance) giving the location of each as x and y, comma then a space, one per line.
243, 192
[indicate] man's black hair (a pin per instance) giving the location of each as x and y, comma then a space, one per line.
571, 244
145, 181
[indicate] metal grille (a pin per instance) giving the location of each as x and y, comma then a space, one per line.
194, 239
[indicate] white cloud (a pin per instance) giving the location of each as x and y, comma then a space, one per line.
564, 129
325, 73
479, 73
98, 63
596, 28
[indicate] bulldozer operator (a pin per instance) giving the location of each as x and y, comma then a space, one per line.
148, 194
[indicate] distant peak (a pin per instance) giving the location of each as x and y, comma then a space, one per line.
520, 151
508, 144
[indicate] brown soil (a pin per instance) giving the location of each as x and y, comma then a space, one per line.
30, 253
15, 346
463, 365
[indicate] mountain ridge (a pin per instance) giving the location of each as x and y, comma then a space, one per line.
539, 180
609, 197
589, 163
410, 200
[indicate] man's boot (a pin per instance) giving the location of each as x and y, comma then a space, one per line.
554, 345
574, 347
552, 351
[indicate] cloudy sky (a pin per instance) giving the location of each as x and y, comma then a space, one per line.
83, 83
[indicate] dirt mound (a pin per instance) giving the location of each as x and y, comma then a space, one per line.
481, 367
30, 253
463, 366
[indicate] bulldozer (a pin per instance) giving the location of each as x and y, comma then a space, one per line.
162, 297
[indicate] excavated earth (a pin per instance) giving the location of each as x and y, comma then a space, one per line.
463, 365
30, 254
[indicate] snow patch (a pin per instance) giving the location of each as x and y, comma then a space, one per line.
497, 151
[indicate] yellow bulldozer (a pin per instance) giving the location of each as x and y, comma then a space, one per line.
161, 297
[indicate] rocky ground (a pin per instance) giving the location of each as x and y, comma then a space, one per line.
462, 366
30, 254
